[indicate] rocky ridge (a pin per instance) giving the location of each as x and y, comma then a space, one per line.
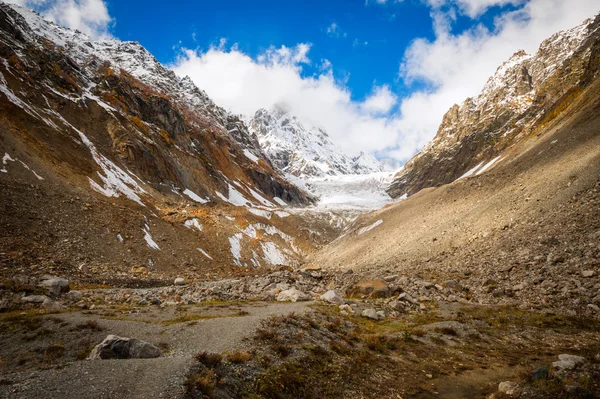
523, 96
305, 151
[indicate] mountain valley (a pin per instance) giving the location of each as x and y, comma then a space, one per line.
249, 256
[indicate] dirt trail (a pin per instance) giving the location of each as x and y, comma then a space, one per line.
144, 378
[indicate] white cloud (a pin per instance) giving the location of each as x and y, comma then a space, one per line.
452, 67
88, 16
474, 8
381, 2
334, 30
457, 66
380, 101
244, 84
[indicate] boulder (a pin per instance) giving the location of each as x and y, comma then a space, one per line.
376, 288
55, 285
293, 295
34, 299
407, 298
180, 281
346, 308
332, 296
541, 373
370, 314
568, 362
509, 388
114, 347
51, 305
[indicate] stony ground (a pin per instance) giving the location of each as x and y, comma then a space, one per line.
392, 337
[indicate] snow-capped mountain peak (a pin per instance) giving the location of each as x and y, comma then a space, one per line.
305, 151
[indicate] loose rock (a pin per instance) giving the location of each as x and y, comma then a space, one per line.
114, 347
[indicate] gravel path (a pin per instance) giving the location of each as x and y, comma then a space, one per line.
144, 378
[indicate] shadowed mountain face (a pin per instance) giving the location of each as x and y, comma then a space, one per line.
525, 94
110, 158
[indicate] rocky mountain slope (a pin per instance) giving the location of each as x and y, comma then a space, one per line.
113, 167
305, 152
525, 233
525, 94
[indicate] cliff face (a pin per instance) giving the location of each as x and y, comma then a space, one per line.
524, 94
305, 152
108, 159
93, 104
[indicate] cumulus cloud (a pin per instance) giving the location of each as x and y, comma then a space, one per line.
334, 30
243, 84
88, 16
474, 8
456, 66
380, 101
450, 67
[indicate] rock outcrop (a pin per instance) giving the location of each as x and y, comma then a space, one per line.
524, 95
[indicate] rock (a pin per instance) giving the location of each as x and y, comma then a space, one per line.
155, 301
179, 281
541, 373
293, 295
346, 308
519, 286
332, 297
391, 278
312, 269
407, 298
51, 305
575, 391
594, 308
376, 288
568, 362
588, 273
55, 285
381, 314
370, 314
348, 272
34, 299
74, 296
424, 284
114, 347
509, 388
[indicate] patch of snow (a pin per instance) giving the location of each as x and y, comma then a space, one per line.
280, 201
349, 192
260, 198
195, 197
5, 159
250, 231
272, 254
250, 155
260, 212
369, 228
203, 252
282, 214
235, 197
31, 170
488, 165
193, 223
470, 172
151, 243
236, 248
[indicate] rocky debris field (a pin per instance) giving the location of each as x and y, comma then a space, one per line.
277, 335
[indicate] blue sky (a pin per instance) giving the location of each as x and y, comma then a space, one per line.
378, 76
366, 47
